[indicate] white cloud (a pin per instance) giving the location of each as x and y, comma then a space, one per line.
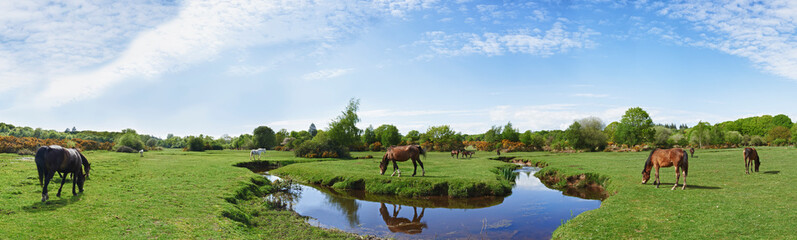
590, 95
326, 74
523, 41
201, 31
761, 31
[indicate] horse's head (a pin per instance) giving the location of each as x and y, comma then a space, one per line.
648, 167
383, 165
645, 176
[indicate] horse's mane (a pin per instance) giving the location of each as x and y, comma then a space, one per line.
648, 162
420, 149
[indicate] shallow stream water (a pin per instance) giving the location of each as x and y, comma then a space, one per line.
532, 211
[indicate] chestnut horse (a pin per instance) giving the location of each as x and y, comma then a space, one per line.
468, 154
401, 154
750, 155
666, 158
455, 152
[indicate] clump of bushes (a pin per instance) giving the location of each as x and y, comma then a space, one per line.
126, 149
25, 151
321, 148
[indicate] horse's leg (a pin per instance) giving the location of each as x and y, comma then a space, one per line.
47, 177
63, 180
746, 165
396, 169
677, 177
414, 167
684, 186
74, 182
657, 182
423, 171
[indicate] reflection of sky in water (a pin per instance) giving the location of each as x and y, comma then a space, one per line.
532, 212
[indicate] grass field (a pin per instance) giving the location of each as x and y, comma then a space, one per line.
173, 194
445, 176
720, 201
168, 194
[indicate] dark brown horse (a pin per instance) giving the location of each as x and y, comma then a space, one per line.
52, 159
467, 154
692, 152
666, 158
401, 154
403, 225
750, 155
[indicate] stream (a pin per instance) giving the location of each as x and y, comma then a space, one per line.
532, 211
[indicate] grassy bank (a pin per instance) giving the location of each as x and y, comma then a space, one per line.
720, 201
445, 176
168, 194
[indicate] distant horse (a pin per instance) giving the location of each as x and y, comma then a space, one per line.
750, 155
692, 152
666, 158
401, 154
403, 225
52, 159
498, 151
455, 152
257, 152
141, 152
468, 154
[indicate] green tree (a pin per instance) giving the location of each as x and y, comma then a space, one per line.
493, 134
313, 131
264, 137
280, 136
661, 136
444, 138
130, 139
343, 130
794, 133
412, 136
782, 120
700, 134
733, 137
573, 135
369, 136
510, 133
609, 131
388, 134
635, 127
196, 143
778, 132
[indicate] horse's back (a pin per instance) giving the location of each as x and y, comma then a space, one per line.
668, 157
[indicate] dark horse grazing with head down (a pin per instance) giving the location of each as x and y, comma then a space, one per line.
401, 154
750, 155
666, 158
52, 159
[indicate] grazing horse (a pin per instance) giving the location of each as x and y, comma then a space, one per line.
52, 159
666, 158
468, 154
750, 155
400, 224
401, 154
455, 152
498, 151
692, 152
257, 152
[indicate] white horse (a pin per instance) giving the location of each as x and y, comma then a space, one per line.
258, 151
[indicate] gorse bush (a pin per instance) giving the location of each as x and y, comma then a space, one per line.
126, 149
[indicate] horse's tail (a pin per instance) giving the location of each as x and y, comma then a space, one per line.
685, 163
648, 162
40, 164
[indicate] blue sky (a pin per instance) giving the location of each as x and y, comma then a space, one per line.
191, 67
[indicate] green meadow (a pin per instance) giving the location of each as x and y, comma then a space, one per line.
173, 194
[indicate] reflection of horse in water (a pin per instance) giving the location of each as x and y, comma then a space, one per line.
403, 225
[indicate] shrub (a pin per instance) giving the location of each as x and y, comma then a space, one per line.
25, 151
757, 141
323, 147
131, 140
196, 144
780, 142
375, 147
126, 149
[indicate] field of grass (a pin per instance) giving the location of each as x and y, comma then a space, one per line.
167, 194
720, 200
445, 176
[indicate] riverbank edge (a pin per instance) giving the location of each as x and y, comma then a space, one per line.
248, 207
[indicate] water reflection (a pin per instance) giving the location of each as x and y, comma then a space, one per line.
533, 211
403, 225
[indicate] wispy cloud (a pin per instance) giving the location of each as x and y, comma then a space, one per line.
762, 31
201, 31
326, 74
521, 41
590, 95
